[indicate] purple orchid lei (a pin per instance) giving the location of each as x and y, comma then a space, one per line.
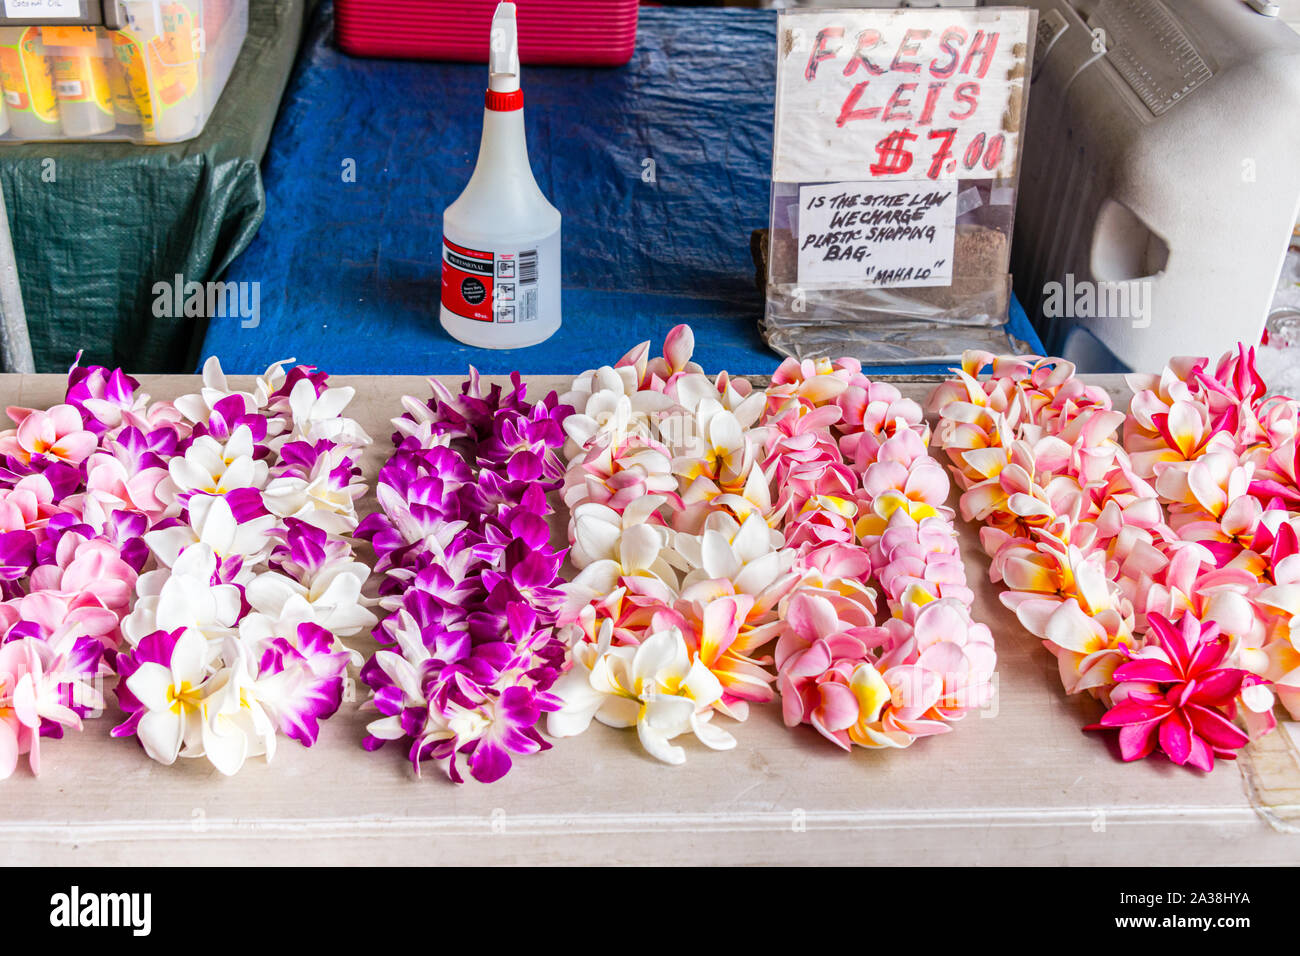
470, 579
78, 490
236, 634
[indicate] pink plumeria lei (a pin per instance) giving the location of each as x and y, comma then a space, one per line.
236, 634
1097, 540
689, 565
78, 489
469, 579
864, 505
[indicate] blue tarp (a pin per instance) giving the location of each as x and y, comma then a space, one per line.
660, 169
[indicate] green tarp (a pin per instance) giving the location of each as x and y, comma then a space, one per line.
118, 218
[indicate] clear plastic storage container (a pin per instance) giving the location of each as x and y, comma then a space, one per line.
149, 71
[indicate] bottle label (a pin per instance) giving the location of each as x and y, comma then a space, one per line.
26, 77
83, 79
174, 57
488, 286
135, 76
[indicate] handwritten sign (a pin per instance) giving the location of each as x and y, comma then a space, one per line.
876, 235
44, 9
899, 94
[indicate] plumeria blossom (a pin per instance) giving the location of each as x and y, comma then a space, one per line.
468, 650
236, 634
744, 517
1160, 545
609, 407
213, 524
672, 532
267, 391
1172, 695
185, 596
40, 691
56, 435
213, 468
658, 687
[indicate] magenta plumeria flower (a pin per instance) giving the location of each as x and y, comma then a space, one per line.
1172, 697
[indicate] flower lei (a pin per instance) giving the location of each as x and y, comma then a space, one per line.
78, 489
1143, 563
469, 578
687, 566
865, 502
236, 633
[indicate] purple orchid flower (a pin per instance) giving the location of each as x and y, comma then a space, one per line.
299, 686
94, 384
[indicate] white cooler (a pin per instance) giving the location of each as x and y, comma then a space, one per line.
1161, 177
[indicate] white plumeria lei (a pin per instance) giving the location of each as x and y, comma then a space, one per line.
673, 533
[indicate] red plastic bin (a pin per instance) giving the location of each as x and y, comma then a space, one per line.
556, 32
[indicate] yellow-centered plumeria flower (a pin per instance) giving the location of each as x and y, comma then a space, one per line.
657, 687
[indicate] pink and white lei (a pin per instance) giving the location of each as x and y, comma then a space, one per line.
864, 506
78, 489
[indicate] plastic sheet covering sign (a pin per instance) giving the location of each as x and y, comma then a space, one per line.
879, 115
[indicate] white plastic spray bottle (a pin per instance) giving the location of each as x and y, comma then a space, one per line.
501, 238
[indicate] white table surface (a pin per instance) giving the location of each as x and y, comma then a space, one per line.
1020, 784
